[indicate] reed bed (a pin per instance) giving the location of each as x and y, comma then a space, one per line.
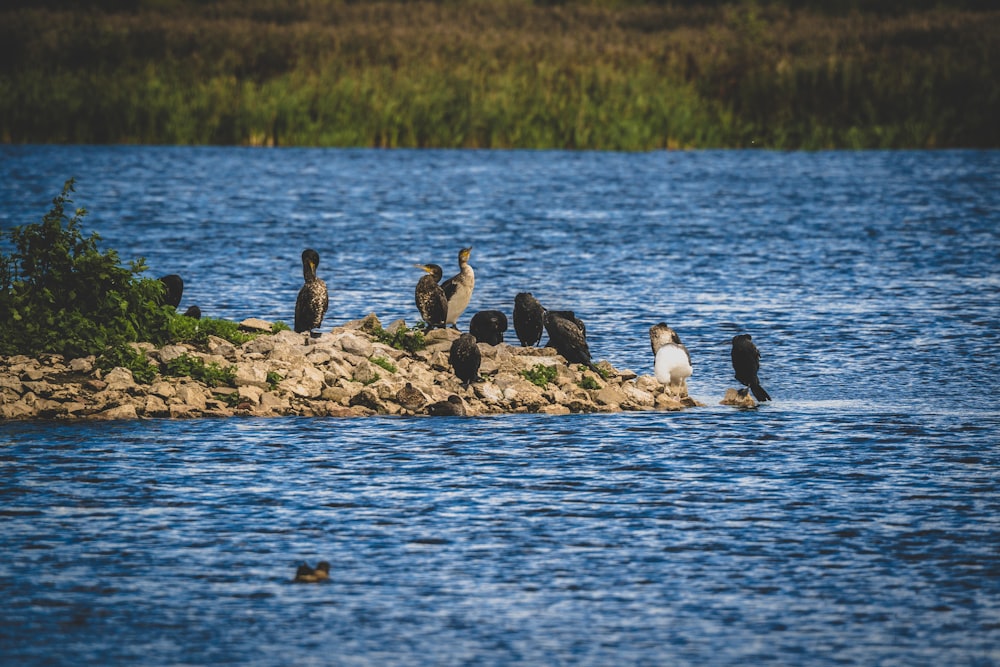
498, 74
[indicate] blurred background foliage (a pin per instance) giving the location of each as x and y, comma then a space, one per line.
626, 75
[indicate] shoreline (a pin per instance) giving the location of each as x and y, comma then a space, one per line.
342, 372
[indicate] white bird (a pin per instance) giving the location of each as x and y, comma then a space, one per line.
672, 364
458, 288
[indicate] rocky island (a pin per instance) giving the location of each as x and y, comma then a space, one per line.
346, 371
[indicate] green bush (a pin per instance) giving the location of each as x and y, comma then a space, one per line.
540, 374
126, 356
211, 374
384, 363
410, 340
588, 382
60, 294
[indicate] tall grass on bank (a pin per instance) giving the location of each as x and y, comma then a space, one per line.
500, 73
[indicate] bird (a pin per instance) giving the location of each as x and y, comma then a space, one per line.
568, 336
746, 364
173, 288
465, 358
453, 407
672, 364
458, 288
410, 397
528, 315
308, 575
313, 300
193, 312
488, 326
431, 301
570, 315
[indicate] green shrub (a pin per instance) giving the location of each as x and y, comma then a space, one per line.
62, 295
211, 374
126, 356
588, 382
384, 363
196, 332
410, 340
279, 326
273, 379
540, 374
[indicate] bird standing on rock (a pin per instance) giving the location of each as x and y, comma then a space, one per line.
431, 301
313, 300
672, 365
458, 288
746, 365
568, 336
528, 315
173, 289
488, 326
465, 358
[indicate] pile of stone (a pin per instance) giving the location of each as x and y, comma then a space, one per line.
343, 372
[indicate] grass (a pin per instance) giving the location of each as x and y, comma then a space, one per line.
603, 74
540, 374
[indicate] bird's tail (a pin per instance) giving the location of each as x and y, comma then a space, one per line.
759, 393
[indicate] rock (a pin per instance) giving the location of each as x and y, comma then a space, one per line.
155, 407
168, 353
17, 410
368, 323
119, 379
365, 372
554, 410
250, 375
82, 364
610, 395
369, 399
126, 411
162, 389
190, 395
250, 393
221, 347
356, 345
12, 383
255, 324
737, 399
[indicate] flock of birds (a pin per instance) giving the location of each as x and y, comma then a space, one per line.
441, 304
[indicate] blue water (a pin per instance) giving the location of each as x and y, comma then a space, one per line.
853, 520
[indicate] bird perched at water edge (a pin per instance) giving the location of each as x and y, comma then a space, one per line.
458, 288
672, 364
429, 296
410, 397
313, 300
528, 314
309, 575
453, 407
488, 326
465, 358
173, 288
746, 365
568, 337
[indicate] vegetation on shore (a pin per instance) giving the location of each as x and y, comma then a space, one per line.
60, 294
605, 74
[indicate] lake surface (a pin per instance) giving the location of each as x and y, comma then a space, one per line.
855, 519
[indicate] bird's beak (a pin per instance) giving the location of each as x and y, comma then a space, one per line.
421, 266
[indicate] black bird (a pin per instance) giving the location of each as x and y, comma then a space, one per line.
309, 575
313, 300
459, 288
453, 407
488, 326
570, 315
173, 288
193, 312
465, 358
528, 314
431, 301
568, 336
746, 364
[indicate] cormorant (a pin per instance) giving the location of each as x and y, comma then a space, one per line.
458, 288
193, 312
672, 365
488, 326
308, 575
568, 337
431, 301
570, 315
410, 397
465, 358
528, 314
173, 288
313, 300
746, 364
453, 407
